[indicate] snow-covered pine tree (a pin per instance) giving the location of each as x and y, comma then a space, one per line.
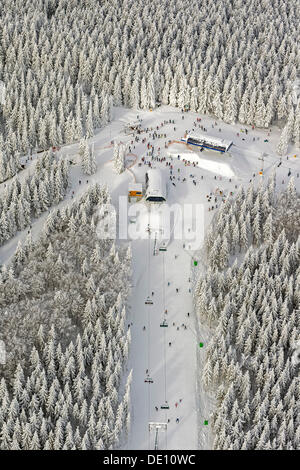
282, 146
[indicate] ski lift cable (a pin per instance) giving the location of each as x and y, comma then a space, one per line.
148, 417
165, 342
149, 257
166, 433
167, 242
164, 307
165, 371
148, 335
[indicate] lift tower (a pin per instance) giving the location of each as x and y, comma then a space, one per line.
157, 427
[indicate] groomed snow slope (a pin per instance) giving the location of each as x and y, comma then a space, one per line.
219, 164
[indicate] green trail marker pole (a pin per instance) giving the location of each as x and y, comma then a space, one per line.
200, 344
195, 263
205, 423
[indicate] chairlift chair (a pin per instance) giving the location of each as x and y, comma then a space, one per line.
165, 406
149, 301
148, 380
163, 248
164, 324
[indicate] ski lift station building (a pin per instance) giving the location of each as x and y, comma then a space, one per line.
207, 142
156, 190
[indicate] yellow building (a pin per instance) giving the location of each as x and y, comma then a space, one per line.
135, 192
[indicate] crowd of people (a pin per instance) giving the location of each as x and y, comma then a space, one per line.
154, 155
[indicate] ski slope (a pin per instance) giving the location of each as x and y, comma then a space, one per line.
176, 369
218, 163
173, 376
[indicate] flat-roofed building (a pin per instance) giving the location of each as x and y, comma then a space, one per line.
208, 142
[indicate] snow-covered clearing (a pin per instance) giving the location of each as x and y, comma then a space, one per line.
218, 163
150, 348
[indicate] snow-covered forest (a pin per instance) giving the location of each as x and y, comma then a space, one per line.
20, 202
66, 62
250, 299
63, 303
75, 79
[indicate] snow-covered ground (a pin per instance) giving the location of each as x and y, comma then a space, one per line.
180, 376
174, 379
216, 163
